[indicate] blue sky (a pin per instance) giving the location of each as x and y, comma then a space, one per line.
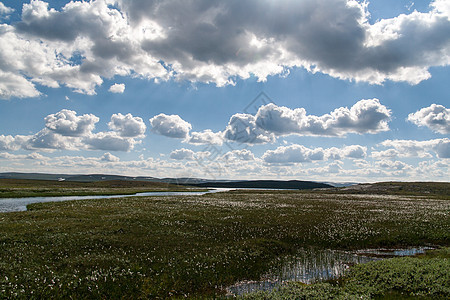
330, 90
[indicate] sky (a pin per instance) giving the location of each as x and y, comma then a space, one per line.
326, 90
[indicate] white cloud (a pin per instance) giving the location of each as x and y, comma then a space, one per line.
436, 117
293, 154
65, 130
215, 42
67, 123
170, 125
390, 153
109, 157
353, 152
366, 116
187, 154
182, 154
117, 88
4, 10
413, 148
48, 139
396, 165
239, 155
205, 137
298, 153
442, 6
127, 125
109, 141
13, 85
443, 148
242, 128
31, 156
11, 143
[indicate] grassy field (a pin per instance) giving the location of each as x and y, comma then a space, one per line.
16, 188
195, 246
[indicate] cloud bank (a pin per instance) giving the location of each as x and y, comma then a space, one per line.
214, 42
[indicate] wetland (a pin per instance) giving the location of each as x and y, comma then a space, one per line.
197, 246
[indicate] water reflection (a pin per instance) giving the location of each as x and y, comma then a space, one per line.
311, 265
393, 252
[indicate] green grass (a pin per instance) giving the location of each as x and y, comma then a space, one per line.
155, 247
18, 188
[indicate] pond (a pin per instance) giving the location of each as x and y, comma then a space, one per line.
20, 204
311, 265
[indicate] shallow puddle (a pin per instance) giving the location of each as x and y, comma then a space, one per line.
384, 253
311, 265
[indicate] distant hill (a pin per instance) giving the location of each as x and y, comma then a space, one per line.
79, 178
262, 184
399, 188
266, 184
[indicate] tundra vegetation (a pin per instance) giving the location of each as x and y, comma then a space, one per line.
17, 188
195, 246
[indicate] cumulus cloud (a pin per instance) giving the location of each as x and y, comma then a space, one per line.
239, 155
109, 141
48, 139
442, 148
396, 165
293, 154
65, 130
4, 10
170, 125
215, 42
182, 154
109, 157
127, 125
242, 128
187, 154
13, 85
117, 88
353, 152
436, 117
11, 143
390, 153
365, 116
205, 137
67, 123
298, 153
270, 121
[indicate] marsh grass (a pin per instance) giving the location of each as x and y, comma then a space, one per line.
19, 188
194, 246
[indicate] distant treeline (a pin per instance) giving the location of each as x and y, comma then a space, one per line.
266, 184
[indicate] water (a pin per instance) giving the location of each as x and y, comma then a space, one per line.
393, 252
312, 265
20, 204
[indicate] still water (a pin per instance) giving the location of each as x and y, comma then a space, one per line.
20, 204
311, 265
